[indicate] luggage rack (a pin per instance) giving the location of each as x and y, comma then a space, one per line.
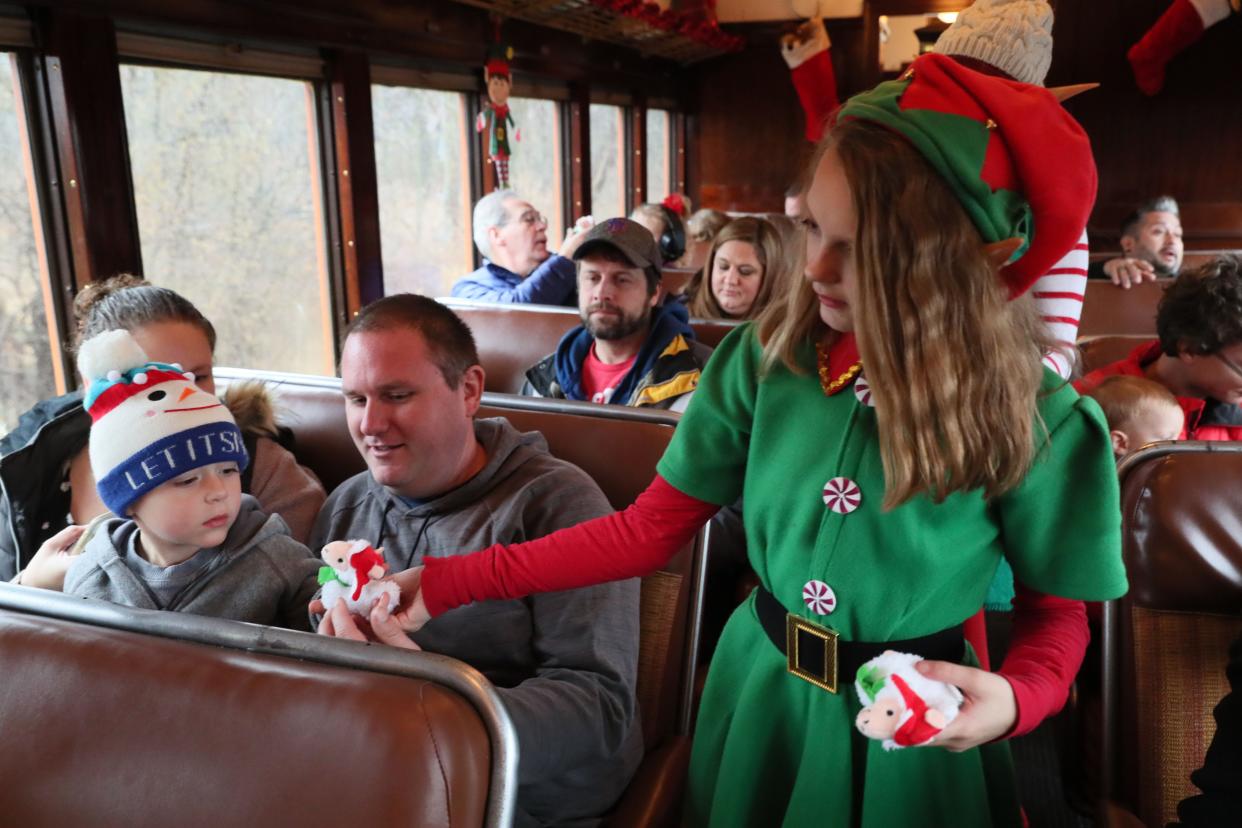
680, 36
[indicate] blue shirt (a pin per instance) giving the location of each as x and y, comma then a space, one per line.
552, 283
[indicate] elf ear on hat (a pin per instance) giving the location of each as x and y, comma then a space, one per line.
1018, 163
149, 422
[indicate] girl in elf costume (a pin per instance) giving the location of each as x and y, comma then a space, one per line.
895, 437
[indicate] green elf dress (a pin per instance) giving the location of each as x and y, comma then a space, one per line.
773, 749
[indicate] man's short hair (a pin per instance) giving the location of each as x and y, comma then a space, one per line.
489, 212
1201, 312
448, 338
1124, 397
1159, 204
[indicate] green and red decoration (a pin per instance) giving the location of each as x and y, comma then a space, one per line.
1019, 164
495, 117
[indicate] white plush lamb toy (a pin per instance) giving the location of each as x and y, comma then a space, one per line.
353, 574
900, 705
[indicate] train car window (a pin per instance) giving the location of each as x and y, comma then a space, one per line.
536, 170
658, 142
607, 161
422, 162
229, 201
25, 344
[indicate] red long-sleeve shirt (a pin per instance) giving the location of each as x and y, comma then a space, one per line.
1046, 649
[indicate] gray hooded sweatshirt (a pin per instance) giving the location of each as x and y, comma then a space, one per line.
259, 574
565, 662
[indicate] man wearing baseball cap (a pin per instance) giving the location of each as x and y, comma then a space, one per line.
629, 349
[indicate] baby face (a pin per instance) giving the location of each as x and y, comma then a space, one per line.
1159, 421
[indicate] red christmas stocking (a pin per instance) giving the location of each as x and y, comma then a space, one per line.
806, 52
1179, 27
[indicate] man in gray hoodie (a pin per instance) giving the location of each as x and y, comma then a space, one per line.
440, 483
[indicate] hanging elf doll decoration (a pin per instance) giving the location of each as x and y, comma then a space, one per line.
495, 115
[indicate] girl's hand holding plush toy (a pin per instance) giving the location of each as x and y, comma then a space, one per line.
910, 702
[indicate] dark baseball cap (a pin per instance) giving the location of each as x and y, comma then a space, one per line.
629, 238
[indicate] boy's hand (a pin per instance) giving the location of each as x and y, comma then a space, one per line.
988, 712
49, 565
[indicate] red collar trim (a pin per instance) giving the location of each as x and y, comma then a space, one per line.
838, 365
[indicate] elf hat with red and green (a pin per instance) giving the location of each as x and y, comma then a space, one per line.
1018, 163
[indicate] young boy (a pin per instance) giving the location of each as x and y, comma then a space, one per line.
1139, 411
167, 459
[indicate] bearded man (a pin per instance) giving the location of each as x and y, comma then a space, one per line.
631, 348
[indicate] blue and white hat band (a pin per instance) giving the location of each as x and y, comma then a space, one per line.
169, 457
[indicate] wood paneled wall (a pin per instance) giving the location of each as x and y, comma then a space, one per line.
1183, 142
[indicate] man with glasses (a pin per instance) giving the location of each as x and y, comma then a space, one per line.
1198, 355
512, 237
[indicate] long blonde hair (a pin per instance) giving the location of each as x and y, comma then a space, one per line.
766, 241
954, 366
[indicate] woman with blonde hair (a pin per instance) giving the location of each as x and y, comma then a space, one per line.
743, 266
896, 438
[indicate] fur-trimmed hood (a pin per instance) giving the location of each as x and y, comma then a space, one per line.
252, 407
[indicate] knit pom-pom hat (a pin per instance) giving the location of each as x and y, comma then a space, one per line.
1015, 36
149, 422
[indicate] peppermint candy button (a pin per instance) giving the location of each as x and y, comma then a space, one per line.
842, 495
862, 390
819, 597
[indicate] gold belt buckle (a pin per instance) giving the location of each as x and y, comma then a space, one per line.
795, 624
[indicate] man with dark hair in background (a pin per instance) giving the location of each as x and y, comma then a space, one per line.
439, 482
1151, 241
630, 349
1198, 355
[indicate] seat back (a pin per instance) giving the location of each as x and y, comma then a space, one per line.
117, 716
1108, 310
513, 338
1098, 351
586, 435
1166, 642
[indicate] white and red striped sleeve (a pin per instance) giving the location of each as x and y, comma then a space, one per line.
1058, 296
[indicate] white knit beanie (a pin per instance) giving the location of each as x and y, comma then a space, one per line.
1015, 36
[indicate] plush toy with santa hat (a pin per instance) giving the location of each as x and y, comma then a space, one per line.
352, 575
900, 705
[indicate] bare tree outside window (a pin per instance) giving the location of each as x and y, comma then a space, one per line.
657, 154
25, 350
535, 169
607, 162
226, 182
421, 160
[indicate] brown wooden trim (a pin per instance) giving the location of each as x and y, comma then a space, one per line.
682, 182
432, 33
349, 82
84, 91
638, 152
579, 151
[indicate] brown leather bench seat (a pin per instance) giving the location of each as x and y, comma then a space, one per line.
1166, 642
116, 716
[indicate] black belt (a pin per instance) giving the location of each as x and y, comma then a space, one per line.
816, 653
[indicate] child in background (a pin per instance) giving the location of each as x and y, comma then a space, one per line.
167, 459
1139, 411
